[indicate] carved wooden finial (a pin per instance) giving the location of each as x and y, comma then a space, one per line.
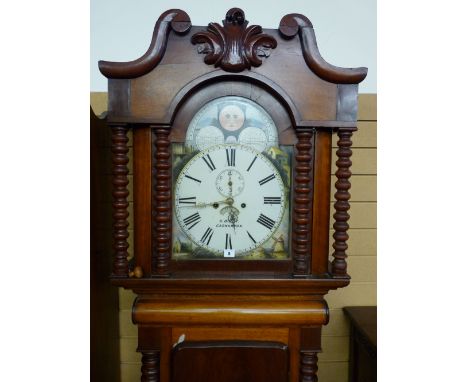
234, 47
137, 272
235, 16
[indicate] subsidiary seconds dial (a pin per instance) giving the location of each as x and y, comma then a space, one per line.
229, 197
230, 183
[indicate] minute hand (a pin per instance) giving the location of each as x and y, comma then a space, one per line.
227, 201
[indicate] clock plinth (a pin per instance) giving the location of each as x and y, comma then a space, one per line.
232, 156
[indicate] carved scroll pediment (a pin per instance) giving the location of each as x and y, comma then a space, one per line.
234, 47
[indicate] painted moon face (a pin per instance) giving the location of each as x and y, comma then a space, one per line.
231, 117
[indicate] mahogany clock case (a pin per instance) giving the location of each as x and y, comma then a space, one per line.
215, 308
281, 70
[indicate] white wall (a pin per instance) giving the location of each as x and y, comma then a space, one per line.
346, 30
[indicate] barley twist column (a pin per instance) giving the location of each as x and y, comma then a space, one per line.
309, 366
162, 220
150, 366
342, 196
120, 202
301, 213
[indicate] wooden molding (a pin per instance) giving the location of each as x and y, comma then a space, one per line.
367, 108
216, 285
219, 311
173, 19
295, 23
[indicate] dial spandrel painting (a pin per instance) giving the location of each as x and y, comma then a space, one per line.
231, 182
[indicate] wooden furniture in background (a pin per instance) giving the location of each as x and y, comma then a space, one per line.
104, 328
248, 310
363, 343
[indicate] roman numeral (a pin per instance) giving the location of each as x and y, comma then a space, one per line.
248, 233
207, 236
231, 159
251, 164
228, 242
192, 219
271, 200
189, 200
209, 162
266, 221
195, 179
267, 179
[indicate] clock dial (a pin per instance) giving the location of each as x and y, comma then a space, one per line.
229, 197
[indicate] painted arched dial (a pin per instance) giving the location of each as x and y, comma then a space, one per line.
232, 119
229, 197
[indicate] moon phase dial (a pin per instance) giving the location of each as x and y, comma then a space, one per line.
232, 120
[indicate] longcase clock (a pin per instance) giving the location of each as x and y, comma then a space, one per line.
232, 127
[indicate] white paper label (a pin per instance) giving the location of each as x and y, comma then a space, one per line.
181, 339
229, 253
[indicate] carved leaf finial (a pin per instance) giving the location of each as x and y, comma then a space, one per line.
234, 47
